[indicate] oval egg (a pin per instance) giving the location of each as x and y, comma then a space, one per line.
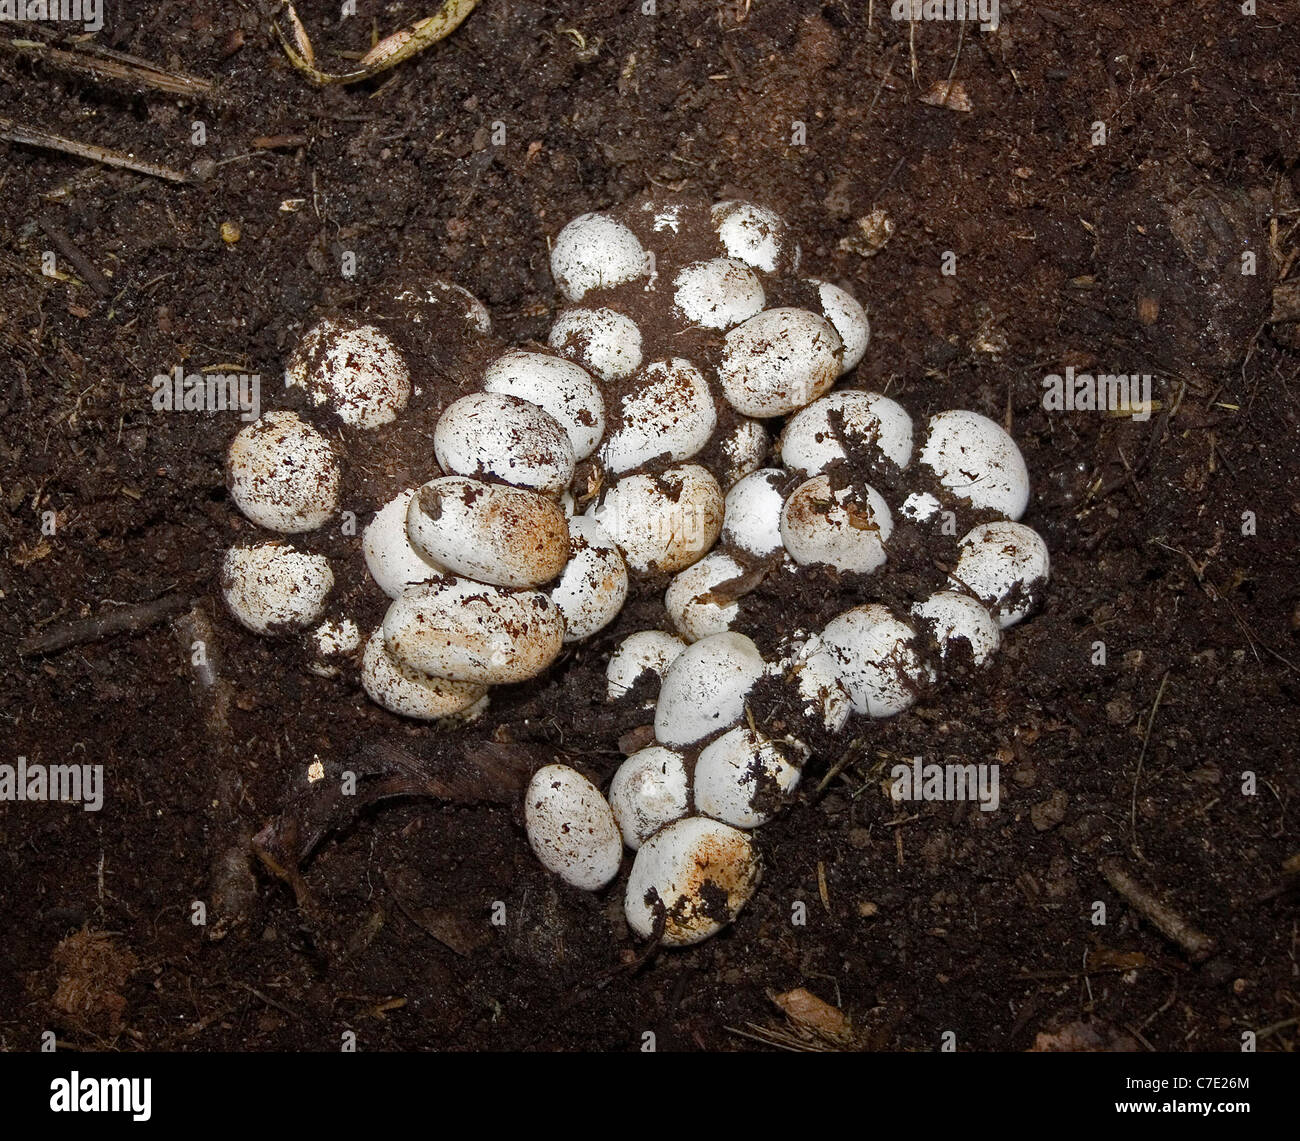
469, 631
490, 532
693, 876
571, 827
492, 435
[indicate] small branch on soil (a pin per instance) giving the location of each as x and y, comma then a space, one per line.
1137, 776
87, 269
34, 137
96, 62
121, 620
850, 754
1167, 921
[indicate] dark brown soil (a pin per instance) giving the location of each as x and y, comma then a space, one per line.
1120, 258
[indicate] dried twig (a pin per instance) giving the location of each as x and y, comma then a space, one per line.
96, 61
121, 620
83, 265
35, 137
1167, 921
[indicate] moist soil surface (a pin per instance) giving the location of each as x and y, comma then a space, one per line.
1144, 718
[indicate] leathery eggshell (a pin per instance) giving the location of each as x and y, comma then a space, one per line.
393, 563
876, 659
718, 293
756, 236
668, 412
332, 642
690, 601
497, 534
752, 522
650, 651
593, 585
283, 474
950, 616
778, 361
700, 872
975, 458
353, 369
664, 522
571, 828
649, 790
742, 778
558, 386
272, 588
595, 252
1005, 565
704, 690
872, 425
603, 341
409, 693
469, 631
491, 435
821, 693
743, 448
846, 529
849, 319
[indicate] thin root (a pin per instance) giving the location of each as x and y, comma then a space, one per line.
388, 53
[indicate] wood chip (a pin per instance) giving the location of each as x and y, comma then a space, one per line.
951, 96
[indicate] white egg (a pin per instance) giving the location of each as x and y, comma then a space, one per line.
649, 791
875, 657
409, 693
816, 678
756, 236
752, 519
354, 370
469, 631
283, 474
846, 529
332, 642
647, 651
490, 435
604, 342
559, 387
497, 534
742, 778
958, 616
665, 522
694, 611
718, 293
393, 563
920, 507
873, 427
594, 583
976, 459
272, 588
1005, 565
595, 252
705, 689
694, 876
571, 828
849, 319
778, 361
668, 413
744, 448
